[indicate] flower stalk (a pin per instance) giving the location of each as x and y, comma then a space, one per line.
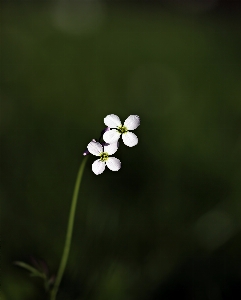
69, 233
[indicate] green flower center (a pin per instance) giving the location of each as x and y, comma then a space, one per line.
122, 129
104, 156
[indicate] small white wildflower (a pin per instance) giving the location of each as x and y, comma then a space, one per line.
104, 151
113, 135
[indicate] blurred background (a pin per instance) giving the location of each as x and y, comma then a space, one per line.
167, 225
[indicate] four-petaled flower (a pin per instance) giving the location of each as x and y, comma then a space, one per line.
103, 152
117, 129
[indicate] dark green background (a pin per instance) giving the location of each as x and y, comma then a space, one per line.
167, 225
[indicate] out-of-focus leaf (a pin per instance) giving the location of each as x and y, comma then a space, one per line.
33, 271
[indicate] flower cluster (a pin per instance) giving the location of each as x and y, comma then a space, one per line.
111, 135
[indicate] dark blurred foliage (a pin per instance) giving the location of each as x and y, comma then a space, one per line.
167, 225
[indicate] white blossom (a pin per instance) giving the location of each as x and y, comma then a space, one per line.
117, 129
104, 151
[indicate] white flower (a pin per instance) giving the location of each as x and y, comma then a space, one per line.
104, 151
113, 135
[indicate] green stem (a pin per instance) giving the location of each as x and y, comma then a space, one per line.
69, 232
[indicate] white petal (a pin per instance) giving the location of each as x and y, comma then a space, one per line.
111, 148
98, 166
113, 164
130, 139
132, 122
111, 136
95, 148
112, 121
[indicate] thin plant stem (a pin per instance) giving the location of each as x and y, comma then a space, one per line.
69, 232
